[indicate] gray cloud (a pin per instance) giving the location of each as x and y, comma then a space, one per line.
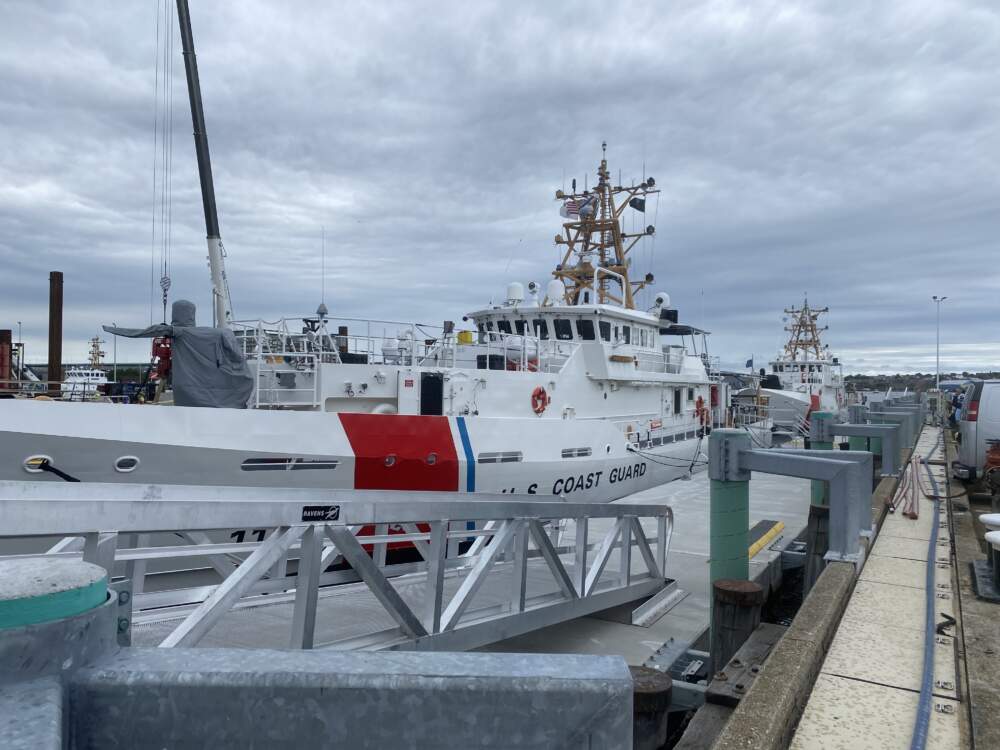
845, 150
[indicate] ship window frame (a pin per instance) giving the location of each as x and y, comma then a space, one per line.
677, 401
585, 329
567, 328
584, 452
541, 327
503, 326
642, 337
627, 334
126, 469
604, 327
521, 327
690, 394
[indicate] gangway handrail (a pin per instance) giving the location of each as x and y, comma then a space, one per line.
319, 527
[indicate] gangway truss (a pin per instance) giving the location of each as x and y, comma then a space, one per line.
318, 568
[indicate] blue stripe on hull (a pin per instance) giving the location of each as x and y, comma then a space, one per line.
470, 460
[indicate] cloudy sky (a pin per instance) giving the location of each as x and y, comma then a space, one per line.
847, 150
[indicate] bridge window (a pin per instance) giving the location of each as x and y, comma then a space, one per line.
503, 326
605, 327
564, 331
627, 334
520, 326
541, 328
585, 329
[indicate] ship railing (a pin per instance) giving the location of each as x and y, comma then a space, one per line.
198, 563
275, 343
644, 431
670, 361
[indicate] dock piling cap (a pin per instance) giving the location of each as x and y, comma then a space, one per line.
45, 589
739, 592
651, 688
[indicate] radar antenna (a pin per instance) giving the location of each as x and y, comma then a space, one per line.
597, 247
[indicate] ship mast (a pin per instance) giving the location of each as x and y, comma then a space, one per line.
95, 355
222, 312
804, 332
596, 245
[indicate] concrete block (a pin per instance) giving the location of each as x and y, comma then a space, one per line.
765, 718
817, 618
228, 698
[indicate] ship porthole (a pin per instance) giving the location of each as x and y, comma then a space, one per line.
33, 464
125, 464
432, 459
390, 460
607, 448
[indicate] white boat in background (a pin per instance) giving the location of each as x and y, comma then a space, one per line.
86, 382
806, 365
804, 378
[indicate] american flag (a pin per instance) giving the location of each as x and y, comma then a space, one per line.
570, 209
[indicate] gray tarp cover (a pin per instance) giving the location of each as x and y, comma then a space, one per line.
207, 367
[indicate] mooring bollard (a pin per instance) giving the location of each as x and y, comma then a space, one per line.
993, 539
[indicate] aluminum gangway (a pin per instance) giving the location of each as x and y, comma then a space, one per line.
272, 567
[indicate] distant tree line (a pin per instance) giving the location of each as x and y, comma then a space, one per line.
916, 381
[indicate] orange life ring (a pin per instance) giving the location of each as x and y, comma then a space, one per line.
539, 400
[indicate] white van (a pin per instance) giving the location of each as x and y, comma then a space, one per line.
979, 423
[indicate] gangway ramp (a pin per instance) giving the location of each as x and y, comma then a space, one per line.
489, 568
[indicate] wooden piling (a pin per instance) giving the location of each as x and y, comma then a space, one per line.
736, 606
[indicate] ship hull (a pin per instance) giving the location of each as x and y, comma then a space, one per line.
580, 460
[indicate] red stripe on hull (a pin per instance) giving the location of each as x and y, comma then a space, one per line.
395, 452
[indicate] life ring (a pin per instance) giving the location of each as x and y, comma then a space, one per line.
539, 400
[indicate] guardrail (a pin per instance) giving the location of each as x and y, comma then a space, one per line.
515, 549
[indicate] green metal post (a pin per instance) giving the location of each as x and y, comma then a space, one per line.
729, 521
819, 490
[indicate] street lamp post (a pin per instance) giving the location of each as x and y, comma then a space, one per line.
937, 341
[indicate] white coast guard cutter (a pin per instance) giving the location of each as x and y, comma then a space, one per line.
572, 392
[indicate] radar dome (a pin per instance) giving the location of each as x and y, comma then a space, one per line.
555, 292
662, 299
515, 292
